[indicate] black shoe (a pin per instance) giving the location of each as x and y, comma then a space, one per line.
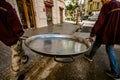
24, 59
88, 58
112, 75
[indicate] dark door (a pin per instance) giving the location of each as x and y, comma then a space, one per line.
26, 12
49, 15
61, 15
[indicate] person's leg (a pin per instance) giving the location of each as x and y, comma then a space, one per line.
113, 59
24, 57
17, 56
93, 50
16, 59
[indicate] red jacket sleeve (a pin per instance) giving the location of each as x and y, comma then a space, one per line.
101, 20
13, 20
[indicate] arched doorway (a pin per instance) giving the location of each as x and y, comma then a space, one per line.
48, 6
49, 15
26, 12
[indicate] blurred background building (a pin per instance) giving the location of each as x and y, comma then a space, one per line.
42, 13
82, 8
39, 13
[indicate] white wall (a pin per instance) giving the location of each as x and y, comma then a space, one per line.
40, 15
56, 11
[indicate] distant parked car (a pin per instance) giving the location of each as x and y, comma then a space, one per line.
94, 16
84, 17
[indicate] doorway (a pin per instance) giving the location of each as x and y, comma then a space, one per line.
49, 15
61, 15
26, 12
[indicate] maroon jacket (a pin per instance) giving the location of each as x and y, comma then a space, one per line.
107, 27
10, 26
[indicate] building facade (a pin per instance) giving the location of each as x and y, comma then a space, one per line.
39, 13
92, 5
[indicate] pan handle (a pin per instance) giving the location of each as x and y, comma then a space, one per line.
64, 59
90, 41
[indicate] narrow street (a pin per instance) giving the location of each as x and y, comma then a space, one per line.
42, 67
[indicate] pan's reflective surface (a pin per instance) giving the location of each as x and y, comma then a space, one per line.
56, 45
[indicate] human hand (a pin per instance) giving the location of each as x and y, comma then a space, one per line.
91, 39
23, 37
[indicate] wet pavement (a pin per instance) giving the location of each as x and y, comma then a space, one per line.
42, 67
